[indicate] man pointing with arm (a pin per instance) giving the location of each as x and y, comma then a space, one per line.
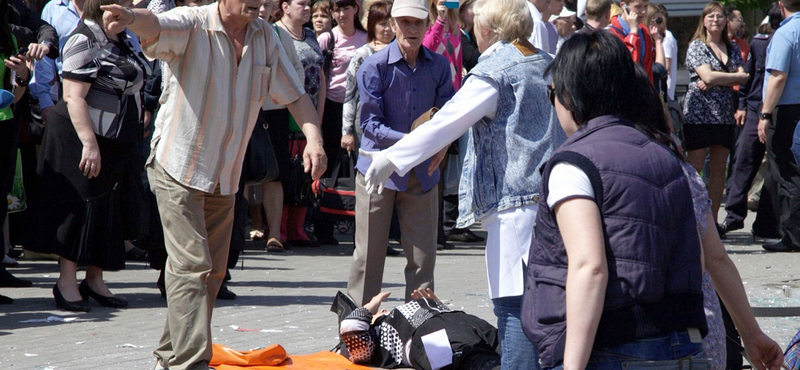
221, 62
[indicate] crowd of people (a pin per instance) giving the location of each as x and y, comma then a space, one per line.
549, 122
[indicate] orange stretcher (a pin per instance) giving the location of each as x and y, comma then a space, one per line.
275, 357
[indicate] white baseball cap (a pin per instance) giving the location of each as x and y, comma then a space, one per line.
564, 14
410, 8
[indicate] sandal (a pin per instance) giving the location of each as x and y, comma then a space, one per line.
274, 245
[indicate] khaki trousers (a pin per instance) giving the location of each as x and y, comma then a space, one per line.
417, 211
197, 234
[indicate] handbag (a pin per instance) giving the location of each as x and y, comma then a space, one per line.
297, 189
337, 194
260, 164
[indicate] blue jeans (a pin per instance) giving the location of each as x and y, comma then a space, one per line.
673, 351
518, 352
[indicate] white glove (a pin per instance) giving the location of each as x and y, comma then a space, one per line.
378, 172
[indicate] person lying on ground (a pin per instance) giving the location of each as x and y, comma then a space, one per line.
423, 333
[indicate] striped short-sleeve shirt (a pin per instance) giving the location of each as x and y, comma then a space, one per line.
210, 104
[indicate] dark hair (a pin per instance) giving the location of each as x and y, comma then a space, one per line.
728, 10
378, 12
6, 40
594, 75
775, 17
336, 4
92, 11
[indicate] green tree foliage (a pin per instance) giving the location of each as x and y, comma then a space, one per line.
749, 4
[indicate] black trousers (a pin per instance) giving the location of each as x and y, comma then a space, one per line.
473, 341
785, 170
9, 133
749, 153
332, 143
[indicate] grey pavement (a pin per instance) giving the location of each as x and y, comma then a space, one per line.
287, 297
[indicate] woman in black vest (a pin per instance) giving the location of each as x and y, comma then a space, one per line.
617, 253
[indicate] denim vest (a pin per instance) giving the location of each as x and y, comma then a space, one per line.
501, 166
652, 251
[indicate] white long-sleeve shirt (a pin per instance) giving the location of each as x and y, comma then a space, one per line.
475, 100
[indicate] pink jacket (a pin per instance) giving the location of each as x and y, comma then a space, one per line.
447, 44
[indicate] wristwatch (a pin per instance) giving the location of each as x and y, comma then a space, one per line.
766, 116
23, 82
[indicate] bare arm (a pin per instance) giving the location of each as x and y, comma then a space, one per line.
75, 96
140, 21
774, 90
587, 276
762, 352
305, 115
20, 68
716, 78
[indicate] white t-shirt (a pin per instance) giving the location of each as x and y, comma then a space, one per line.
567, 181
671, 52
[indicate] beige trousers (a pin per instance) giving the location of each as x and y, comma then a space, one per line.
417, 211
197, 234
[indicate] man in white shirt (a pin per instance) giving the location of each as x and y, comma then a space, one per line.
540, 37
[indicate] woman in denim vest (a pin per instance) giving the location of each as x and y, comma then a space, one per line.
512, 131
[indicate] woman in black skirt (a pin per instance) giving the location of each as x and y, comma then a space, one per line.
715, 64
89, 139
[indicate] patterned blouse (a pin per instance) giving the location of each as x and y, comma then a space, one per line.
116, 75
715, 105
351, 110
310, 55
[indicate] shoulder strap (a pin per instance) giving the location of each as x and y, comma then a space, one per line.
332, 41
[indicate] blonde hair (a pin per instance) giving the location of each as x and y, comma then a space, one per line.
509, 19
615, 11
453, 16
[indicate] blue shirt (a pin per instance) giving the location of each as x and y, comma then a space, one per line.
392, 96
62, 15
783, 54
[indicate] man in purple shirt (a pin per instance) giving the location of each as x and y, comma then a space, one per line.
397, 85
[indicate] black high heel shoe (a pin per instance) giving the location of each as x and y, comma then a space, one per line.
62, 303
112, 302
